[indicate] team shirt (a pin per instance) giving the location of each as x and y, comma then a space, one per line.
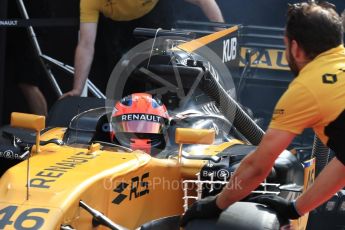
117, 10
316, 99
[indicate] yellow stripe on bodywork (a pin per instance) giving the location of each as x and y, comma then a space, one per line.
196, 44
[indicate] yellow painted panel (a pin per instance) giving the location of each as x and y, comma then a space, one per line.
129, 188
53, 133
266, 59
150, 192
309, 176
17, 216
309, 173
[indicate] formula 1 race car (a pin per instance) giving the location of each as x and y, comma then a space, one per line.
73, 173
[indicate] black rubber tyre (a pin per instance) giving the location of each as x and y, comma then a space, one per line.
242, 216
167, 223
239, 216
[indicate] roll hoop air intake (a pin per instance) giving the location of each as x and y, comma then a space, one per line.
232, 110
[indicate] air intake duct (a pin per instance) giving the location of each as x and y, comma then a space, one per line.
232, 110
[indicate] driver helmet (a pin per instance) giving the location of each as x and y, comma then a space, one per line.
140, 121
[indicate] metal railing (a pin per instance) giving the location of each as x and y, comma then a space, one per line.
199, 188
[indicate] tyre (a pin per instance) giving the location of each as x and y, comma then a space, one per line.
242, 216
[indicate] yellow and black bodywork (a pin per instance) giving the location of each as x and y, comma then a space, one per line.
130, 188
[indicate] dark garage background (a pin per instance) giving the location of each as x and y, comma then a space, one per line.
60, 42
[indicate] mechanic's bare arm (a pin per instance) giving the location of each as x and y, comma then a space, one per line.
255, 167
210, 9
330, 180
83, 57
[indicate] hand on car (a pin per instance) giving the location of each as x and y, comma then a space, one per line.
202, 209
71, 93
283, 207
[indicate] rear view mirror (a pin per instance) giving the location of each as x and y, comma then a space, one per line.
193, 136
29, 121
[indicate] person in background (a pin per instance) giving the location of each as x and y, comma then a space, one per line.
113, 21
315, 98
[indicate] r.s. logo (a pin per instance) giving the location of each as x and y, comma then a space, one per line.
139, 186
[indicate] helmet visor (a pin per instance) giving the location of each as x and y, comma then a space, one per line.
138, 127
143, 123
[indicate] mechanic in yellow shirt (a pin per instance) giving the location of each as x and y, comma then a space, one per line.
132, 13
314, 99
